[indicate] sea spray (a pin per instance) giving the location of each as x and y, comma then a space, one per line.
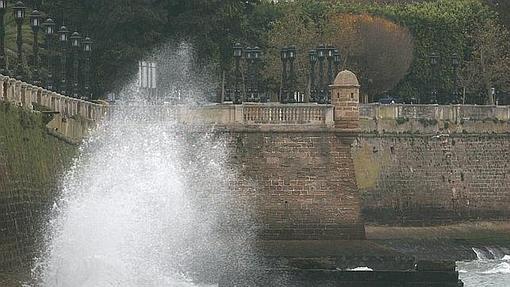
148, 202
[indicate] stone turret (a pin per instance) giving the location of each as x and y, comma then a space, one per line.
345, 99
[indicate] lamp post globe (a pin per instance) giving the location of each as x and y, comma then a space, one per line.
87, 44
19, 17
3, 58
49, 30
63, 35
76, 44
257, 52
75, 40
35, 20
19, 12
434, 59
49, 27
238, 50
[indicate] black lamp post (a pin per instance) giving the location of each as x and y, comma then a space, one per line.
312, 55
63, 38
330, 56
49, 29
336, 59
321, 54
35, 24
3, 59
249, 56
258, 57
238, 54
455, 65
19, 16
87, 50
434, 61
283, 94
76, 44
292, 75
255, 54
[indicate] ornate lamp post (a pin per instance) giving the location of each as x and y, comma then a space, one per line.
35, 24
284, 56
330, 56
455, 65
63, 38
19, 16
238, 54
87, 50
336, 59
292, 75
3, 59
248, 54
256, 53
312, 55
434, 60
321, 54
76, 44
49, 29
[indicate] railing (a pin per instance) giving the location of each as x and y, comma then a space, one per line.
26, 95
268, 114
298, 114
453, 113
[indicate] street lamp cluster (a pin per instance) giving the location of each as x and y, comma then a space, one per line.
250, 91
81, 49
454, 60
319, 92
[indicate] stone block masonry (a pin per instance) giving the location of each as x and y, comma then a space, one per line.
414, 179
303, 183
30, 162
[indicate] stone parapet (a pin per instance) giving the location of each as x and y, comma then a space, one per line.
452, 113
26, 95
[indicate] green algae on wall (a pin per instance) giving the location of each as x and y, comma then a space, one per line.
31, 163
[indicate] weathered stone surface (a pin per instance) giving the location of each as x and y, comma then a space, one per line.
30, 162
414, 179
303, 183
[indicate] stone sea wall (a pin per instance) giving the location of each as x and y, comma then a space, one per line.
30, 162
302, 183
433, 164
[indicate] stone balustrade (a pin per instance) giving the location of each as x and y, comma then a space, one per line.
26, 95
452, 113
268, 114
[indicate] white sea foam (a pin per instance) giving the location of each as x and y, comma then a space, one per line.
502, 268
361, 269
506, 258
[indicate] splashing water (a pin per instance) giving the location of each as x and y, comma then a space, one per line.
488, 270
147, 203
